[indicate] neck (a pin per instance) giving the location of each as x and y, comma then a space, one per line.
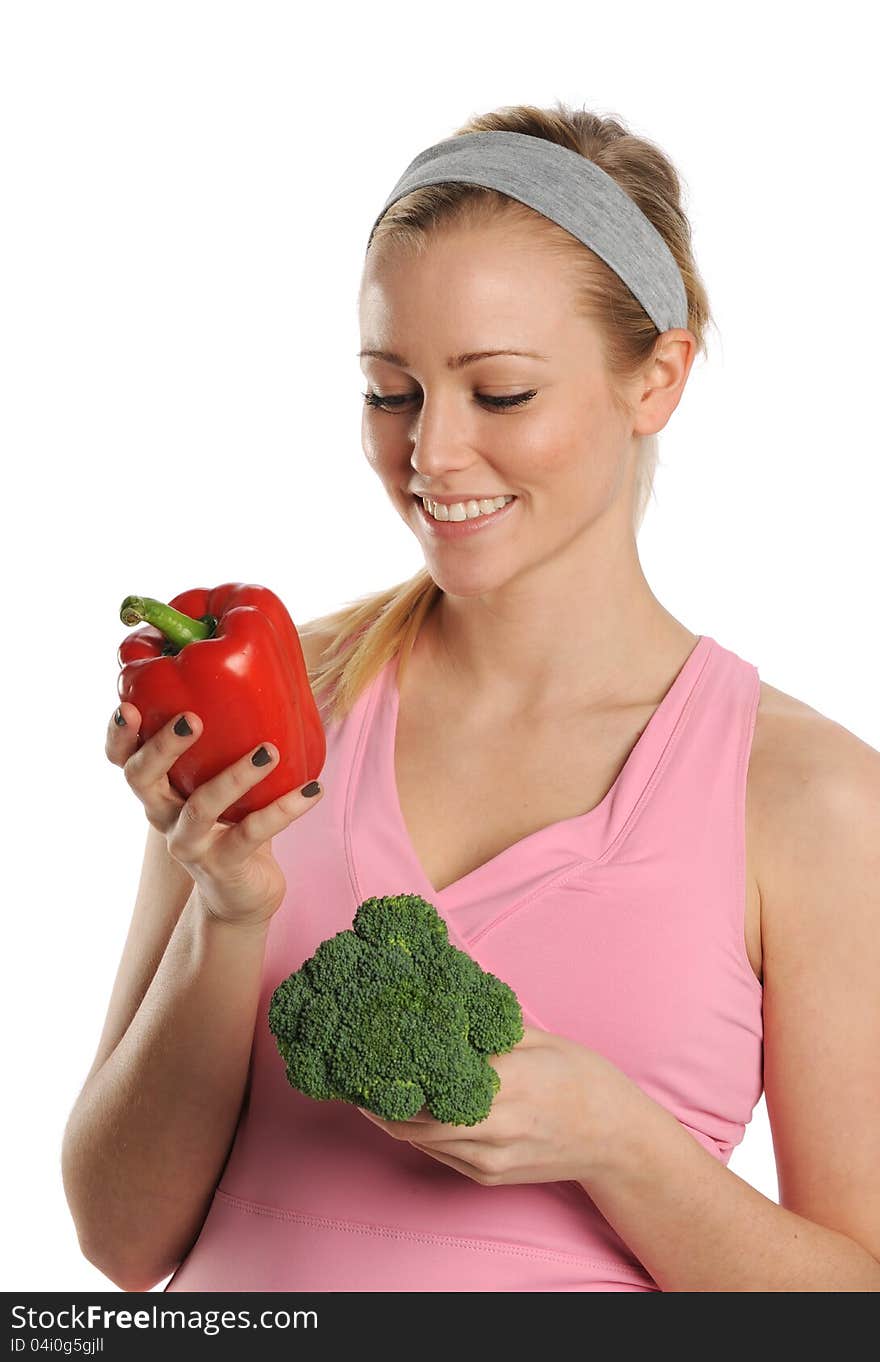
576, 631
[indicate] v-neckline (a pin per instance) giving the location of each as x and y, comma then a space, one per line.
586, 835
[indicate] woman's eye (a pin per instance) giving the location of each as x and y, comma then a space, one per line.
499, 403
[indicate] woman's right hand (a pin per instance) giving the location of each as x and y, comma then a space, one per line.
238, 878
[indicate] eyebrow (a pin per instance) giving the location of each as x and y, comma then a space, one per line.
454, 361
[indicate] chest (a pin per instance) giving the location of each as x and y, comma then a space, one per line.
469, 791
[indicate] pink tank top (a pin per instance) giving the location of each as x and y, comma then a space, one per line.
621, 928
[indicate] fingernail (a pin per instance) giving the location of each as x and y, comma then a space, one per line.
182, 728
261, 757
312, 788
119, 719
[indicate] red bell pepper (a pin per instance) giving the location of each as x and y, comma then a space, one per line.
232, 656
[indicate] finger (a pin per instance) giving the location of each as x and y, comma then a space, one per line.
122, 731
422, 1120
146, 769
451, 1162
261, 826
414, 1126
423, 1114
192, 835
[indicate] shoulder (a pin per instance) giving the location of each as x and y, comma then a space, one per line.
812, 784
809, 778
815, 789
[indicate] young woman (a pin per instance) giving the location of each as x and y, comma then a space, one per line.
672, 863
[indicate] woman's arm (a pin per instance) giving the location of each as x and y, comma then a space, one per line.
692, 1222
151, 1130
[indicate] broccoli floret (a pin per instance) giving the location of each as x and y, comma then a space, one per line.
390, 1016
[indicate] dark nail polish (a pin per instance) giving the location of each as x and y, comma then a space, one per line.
182, 728
119, 719
312, 788
260, 757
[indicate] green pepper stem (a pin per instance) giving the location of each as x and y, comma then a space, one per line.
179, 629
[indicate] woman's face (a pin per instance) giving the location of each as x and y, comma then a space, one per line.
563, 451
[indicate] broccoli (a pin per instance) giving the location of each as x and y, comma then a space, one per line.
390, 1016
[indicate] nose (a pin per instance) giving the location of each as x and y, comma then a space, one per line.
439, 441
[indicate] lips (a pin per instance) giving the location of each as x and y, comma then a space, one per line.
466, 528
457, 501
462, 496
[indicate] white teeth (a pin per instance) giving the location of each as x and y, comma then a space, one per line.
464, 510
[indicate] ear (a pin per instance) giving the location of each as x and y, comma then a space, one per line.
660, 386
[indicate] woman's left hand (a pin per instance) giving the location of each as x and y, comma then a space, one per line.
553, 1119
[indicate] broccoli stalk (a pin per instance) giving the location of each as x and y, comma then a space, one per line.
391, 1017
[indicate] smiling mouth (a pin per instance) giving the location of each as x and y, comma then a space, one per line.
458, 512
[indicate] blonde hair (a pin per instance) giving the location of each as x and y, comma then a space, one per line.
367, 633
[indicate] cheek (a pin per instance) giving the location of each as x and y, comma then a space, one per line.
377, 454
545, 449
386, 455
368, 443
582, 460
570, 451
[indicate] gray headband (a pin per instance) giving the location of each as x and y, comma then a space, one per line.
571, 191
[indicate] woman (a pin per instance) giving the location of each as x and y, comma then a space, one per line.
667, 859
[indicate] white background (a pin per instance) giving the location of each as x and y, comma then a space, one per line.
187, 190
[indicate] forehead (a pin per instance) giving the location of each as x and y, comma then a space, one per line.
461, 282
460, 256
